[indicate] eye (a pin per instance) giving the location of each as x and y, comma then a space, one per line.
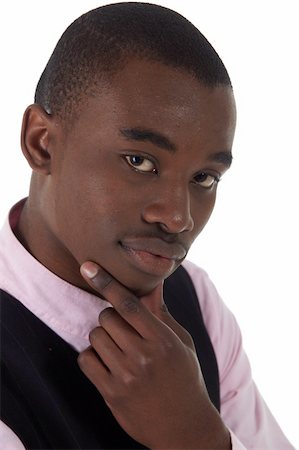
140, 163
205, 180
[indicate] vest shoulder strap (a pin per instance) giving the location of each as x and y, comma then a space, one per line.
182, 302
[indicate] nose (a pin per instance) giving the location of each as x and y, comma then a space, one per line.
170, 209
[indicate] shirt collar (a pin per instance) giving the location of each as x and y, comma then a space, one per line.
68, 310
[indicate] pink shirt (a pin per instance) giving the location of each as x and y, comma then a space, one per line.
72, 313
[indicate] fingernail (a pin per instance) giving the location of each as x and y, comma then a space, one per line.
89, 269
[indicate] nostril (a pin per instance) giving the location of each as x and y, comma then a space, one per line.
171, 211
177, 224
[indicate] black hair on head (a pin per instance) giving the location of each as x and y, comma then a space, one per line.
100, 42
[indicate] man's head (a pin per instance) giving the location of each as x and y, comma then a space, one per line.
132, 128
100, 43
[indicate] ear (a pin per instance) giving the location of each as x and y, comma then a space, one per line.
35, 138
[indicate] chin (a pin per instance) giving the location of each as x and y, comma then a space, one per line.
145, 285
140, 290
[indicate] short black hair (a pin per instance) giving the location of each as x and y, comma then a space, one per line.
100, 42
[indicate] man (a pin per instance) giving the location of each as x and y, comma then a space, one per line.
131, 131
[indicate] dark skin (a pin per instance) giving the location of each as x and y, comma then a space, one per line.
122, 191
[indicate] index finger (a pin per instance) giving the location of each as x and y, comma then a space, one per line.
122, 299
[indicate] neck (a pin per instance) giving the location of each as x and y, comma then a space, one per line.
35, 235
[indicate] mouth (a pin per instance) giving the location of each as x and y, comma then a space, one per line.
153, 256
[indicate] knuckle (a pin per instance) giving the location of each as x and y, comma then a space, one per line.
188, 340
94, 335
164, 308
129, 305
146, 362
84, 358
109, 392
106, 314
118, 393
129, 379
185, 337
141, 368
114, 397
165, 347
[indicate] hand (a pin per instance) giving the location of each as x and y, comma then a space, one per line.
144, 365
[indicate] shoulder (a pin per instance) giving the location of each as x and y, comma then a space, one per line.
212, 306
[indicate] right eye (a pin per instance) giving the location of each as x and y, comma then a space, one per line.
206, 180
140, 163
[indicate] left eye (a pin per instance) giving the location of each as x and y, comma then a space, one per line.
140, 163
205, 180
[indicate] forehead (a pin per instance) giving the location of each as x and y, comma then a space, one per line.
166, 89
164, 98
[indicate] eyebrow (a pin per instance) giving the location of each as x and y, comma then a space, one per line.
147, 135
225, 158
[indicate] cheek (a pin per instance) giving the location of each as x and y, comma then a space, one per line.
88, 214
201, 211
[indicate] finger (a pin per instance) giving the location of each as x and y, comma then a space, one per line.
155, 303
107, 349
126, 337
124, 301
180, 331
95, 370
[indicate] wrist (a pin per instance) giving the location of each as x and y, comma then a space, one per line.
204, 433
214, 434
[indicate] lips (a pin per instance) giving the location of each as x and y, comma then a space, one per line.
152, 256
156, 247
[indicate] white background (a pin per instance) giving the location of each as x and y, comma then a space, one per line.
250, 247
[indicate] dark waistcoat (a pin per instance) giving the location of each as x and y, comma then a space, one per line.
45, 398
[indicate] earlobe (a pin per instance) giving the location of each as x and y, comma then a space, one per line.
35, 139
